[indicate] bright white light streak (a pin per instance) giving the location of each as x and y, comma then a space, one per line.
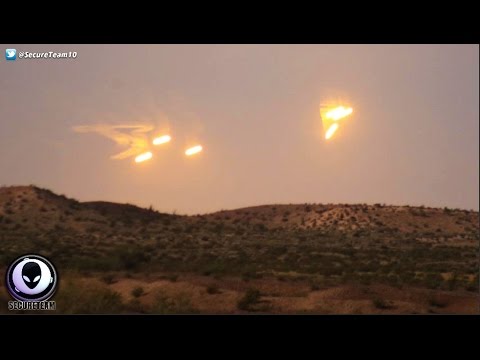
143, 157
193, 150
338, 113
331, 130
162, 140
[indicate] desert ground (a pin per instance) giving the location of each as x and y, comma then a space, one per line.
271, 259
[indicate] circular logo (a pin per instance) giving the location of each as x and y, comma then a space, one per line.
31, 278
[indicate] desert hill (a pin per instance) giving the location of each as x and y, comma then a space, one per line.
45, 209
304, 246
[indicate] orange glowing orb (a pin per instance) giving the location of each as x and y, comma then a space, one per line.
143, 157
338, 113
162, 140
331, 130
193, 150
331, 116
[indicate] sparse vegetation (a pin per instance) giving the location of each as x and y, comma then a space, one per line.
311, 246
180, 304
77, 297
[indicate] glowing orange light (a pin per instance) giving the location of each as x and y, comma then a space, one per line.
331, 117
331, 130
193, 150
143, 157
338, 113
162, 139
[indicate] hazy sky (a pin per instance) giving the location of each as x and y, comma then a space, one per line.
413, 137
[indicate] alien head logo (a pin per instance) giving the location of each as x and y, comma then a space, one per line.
31, 278
31, 274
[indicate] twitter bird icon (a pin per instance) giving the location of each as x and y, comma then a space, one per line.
11, 54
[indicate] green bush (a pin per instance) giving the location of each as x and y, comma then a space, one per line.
132, 257
452, 283
179, 304
172, 278
137, 292
249, 299
260, 227
212, 289
75, 297
381, 304
433, 281
108, 279
436, 302
250, 275
135, 306
214, 268
314, 286
474, 284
